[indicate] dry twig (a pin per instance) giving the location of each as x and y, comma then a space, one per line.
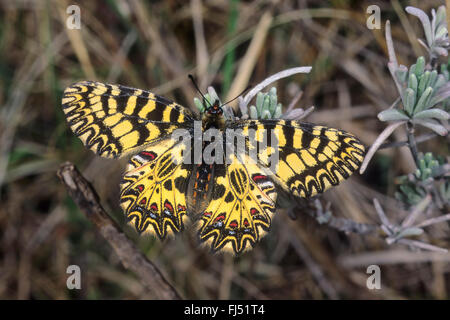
87, 200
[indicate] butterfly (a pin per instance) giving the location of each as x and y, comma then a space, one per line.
232, 200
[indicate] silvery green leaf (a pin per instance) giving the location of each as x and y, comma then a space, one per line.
433, 78
422, 165
442, 94
432, 113
412, 82
394, 67
433, 22
392, 115
228, 112
401, 74
410, 100
265, 114
425, 22
259, 101
273, 102
273, 91
410, 232
208, 99
441, 33
440, 15
199, 104
277, 114
433, 125
439, 82
442, 43
407, 190
422, 103
417, 173
441, 51
266, 104
253, 112
412, 70
212, 95
423, 83
420, 66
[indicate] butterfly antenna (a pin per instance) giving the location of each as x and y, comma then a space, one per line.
198, 89
246, 89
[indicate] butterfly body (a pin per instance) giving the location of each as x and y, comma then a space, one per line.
213, 117
230, 193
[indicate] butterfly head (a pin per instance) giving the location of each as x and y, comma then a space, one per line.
213, 116
215, 110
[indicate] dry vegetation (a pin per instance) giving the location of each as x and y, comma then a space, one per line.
226, 44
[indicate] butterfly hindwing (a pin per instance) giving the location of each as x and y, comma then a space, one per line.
309, 159
240, 209
153, 189
114, 120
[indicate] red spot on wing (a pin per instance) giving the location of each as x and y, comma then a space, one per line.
219, 218
140, 187
253, 211
233, 224
148, 155
168, 206
259, 177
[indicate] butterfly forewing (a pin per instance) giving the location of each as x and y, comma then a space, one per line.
114, 120
309, 158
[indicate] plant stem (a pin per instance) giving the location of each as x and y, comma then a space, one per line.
412, 143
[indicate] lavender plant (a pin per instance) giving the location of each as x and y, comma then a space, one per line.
424, 99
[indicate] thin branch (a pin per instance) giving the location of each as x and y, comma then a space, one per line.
378, 142
418, 209
412, 143
243, 102
422, 245
294, 101
87, 200
324, 216
398, 144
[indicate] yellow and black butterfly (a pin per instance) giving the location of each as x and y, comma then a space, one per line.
232, 201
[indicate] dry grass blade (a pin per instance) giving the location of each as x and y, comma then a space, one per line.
251, 56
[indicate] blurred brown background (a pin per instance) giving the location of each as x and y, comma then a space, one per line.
154, 45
